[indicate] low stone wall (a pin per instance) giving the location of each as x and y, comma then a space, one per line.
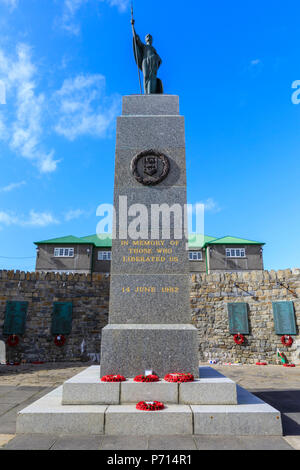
89, 296
209, 297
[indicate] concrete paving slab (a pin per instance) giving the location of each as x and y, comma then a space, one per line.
133, 392
26, 442
241, 443
208, 391
86, 388
5, 438
127, 420
293, 441
77, 443
48, 416
171, 443
124, 443
5, 407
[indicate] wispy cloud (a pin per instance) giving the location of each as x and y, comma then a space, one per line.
68, 20
24, 131
84, 109
255, 62
73, 214
12, 186
12, 4
210, 205
122, 5
34, 219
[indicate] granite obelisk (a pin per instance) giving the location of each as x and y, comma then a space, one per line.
149, 316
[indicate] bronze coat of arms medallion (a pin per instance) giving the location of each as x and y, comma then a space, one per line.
150, 167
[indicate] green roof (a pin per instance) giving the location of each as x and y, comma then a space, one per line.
105, 241
101, 240
63, 240
228, 240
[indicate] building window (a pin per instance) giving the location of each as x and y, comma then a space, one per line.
64, 252
235, 252
104, 255
195, 255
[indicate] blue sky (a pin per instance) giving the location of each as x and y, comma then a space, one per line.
66, 64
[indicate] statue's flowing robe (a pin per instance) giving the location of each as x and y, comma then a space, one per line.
148, 62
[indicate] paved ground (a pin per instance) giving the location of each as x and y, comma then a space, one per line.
21, 385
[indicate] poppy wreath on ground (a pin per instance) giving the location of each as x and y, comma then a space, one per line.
286, 340
179, 377
13, 340
59, 340
261, 363
146, 378
113, 378
289, 365
150, 406
239, 339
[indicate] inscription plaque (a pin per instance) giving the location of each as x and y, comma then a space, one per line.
150, 167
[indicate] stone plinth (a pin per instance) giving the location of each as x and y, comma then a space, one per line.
149, 316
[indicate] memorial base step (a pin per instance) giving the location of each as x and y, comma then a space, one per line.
250, 416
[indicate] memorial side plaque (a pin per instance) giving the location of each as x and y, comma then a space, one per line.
149, 315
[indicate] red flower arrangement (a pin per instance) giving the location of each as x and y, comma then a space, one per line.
150, 406
146, 378
179, 377
59, 340
12, 341
289, 365
239, 339
113, 378
286, 340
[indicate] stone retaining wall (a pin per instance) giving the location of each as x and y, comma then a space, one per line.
89, 296
209, 296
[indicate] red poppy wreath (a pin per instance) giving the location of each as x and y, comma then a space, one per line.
113, 378
179, 377
150, 406
146, 378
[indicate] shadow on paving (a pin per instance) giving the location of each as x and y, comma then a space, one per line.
7, 370
288, 403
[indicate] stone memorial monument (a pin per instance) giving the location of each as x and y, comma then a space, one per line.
149, 325
149, 317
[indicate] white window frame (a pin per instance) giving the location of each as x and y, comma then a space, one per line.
235, 252
60, 252
195, 256
104, 255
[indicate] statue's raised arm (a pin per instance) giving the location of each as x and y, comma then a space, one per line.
148, 61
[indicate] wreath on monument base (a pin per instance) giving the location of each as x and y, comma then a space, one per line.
286, 340
113, 378
150, 406
12, 341
179, 377
59, 340
146, 378
239, 338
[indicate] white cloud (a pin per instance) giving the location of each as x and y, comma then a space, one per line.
122, 5
12, 186
73, 214
12, 4
24, 133
83, 108
34, 219
210, 205
71, 7
255, 62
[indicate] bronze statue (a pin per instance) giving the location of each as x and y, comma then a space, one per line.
148, 61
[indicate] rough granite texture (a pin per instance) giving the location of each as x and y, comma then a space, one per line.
150, 328
131, 349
